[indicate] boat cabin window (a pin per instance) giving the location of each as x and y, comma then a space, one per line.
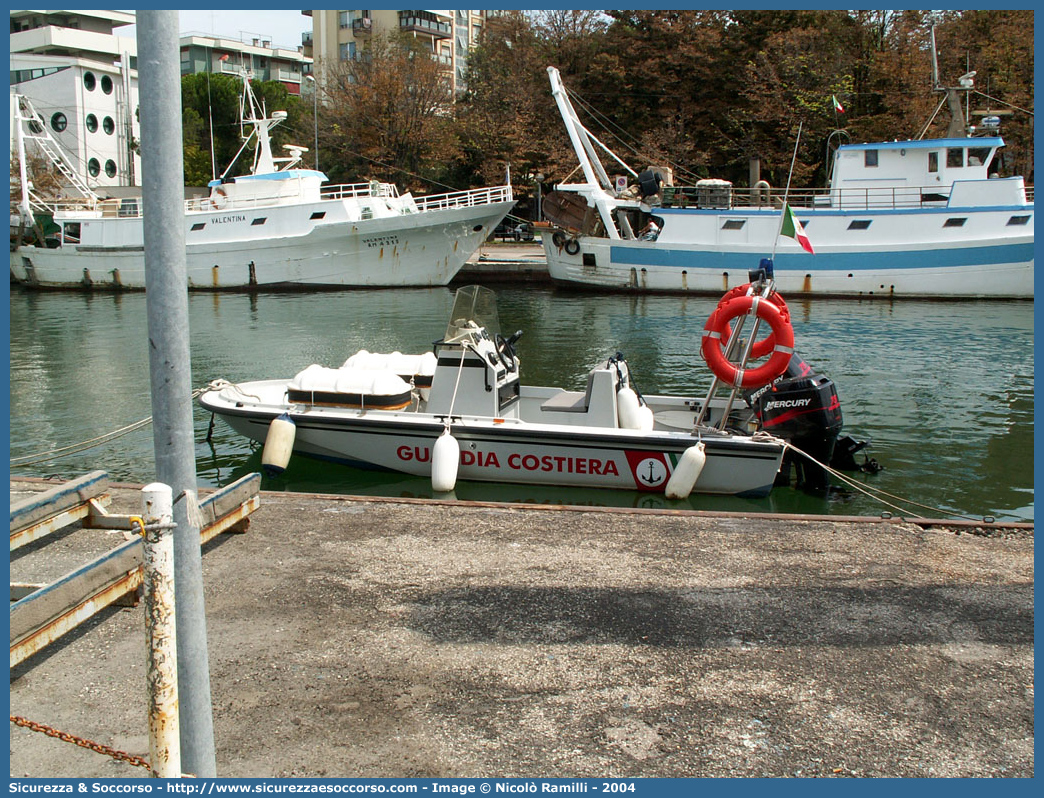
933, 162
859, 224
1017, 220
869, 157
957, 221
977, 156
954, 157
733, 224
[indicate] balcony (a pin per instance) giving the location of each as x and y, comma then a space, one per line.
423, 23
362, 26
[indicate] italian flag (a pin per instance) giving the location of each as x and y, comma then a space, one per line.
837, 105
792, 229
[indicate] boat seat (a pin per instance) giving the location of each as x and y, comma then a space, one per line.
567, 402
597, 403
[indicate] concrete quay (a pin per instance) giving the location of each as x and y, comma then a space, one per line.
408, 638
505, 262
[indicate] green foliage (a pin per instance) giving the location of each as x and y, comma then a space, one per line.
211, 102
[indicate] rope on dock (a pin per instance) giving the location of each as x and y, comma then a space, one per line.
876, 494
76, 448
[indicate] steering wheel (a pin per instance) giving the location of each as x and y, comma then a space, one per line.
506, 350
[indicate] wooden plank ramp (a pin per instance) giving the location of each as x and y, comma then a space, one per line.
41, 614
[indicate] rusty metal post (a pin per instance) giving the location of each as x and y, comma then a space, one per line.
161, 631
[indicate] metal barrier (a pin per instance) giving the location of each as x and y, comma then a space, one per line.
41, 614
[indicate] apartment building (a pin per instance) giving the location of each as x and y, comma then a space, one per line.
343, 35
81, 76
204, 53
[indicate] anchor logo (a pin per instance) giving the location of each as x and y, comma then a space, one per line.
651, 472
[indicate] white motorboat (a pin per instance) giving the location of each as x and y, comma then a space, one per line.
917, 218
277, 227
462, 411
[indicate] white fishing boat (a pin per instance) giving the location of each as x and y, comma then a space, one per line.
278, 227
462, 412
918, 218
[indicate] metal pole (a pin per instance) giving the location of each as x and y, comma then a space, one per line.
161, 631
315, 116
166, 300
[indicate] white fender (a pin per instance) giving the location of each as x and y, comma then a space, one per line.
645, 418
688, 470
631, 413
279, 444
628, 409
445, 457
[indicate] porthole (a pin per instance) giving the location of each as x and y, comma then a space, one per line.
59, 122
93, 167
110, 168
89, 81
35, 127
108, 125
106, 84
92, 123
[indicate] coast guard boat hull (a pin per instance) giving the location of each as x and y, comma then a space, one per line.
468, 389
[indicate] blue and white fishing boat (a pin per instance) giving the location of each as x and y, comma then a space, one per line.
918, 218
278, 227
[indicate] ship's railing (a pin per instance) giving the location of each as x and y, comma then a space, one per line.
465, 199
869, 198
359, 190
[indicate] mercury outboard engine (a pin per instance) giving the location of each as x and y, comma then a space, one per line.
801, 407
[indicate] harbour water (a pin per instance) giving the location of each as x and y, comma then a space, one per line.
943, 390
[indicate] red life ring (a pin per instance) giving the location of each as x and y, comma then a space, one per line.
782, 338
765, 345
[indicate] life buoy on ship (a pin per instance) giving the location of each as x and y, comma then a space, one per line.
782, 336
219, 198
765, 345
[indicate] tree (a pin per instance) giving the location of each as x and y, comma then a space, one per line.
387, 115
210, 115
506, 115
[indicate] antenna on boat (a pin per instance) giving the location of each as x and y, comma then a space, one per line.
958, 127
786, 191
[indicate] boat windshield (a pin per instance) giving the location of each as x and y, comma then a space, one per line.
473, 306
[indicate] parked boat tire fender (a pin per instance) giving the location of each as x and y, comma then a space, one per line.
445, 458
279, 444
558, 238
687, 472
715, 330
627, 407
765, 345
572, 246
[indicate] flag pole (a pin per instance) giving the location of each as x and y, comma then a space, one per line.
786, 191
